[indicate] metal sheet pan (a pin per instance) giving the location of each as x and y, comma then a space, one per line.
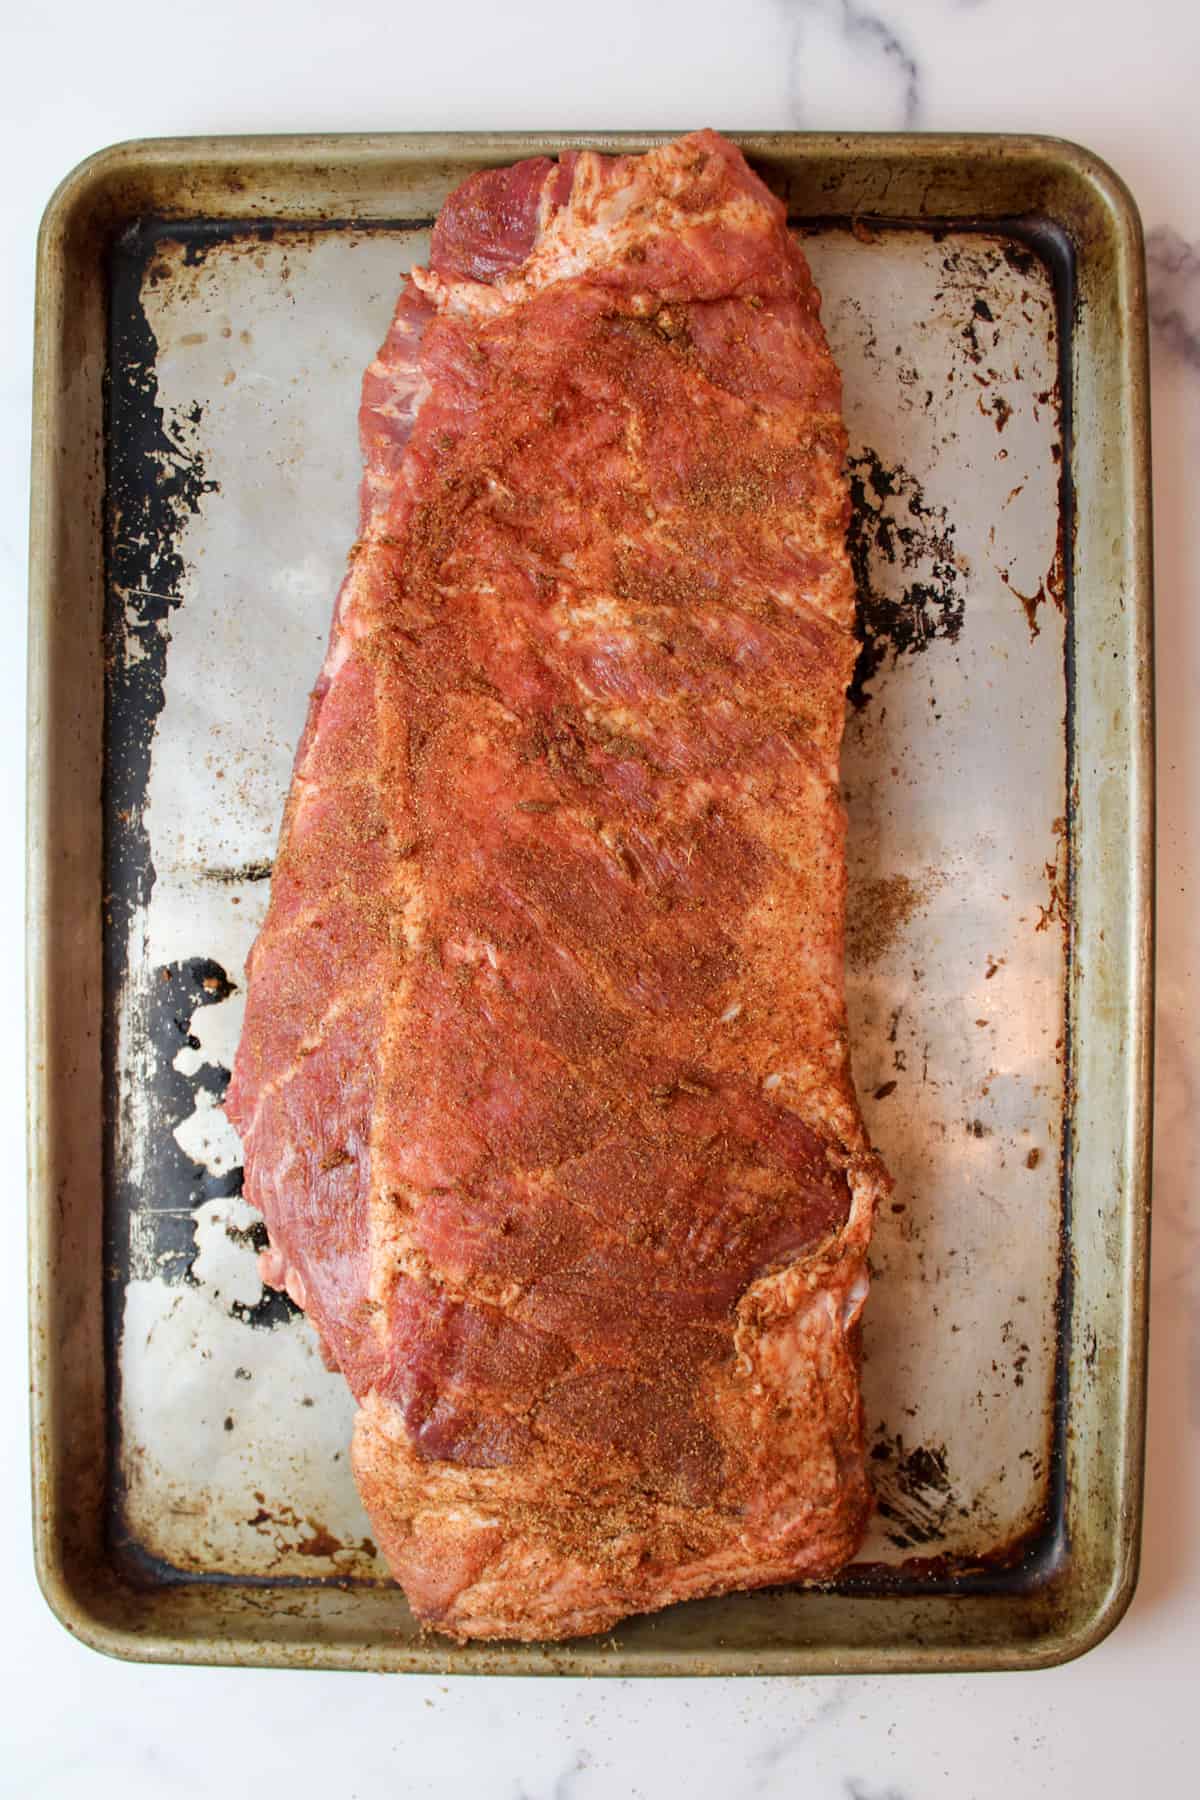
984, 298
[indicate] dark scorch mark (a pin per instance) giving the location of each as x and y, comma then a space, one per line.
1020, 259
237, 874
274, 1308
172, 1184
906, 579
914, 1492
156, 481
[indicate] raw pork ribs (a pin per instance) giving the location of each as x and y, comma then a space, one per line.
544, 1084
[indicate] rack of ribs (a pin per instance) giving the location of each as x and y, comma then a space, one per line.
544, 1083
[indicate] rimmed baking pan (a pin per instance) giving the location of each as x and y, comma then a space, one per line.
205, 309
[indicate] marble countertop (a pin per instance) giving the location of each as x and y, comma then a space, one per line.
1118, 79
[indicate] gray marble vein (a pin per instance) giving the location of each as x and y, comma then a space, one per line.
564, 1783
1173, 278
828, 35
765, 1761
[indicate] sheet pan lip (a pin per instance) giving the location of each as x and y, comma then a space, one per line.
48, 1562
91, 179
581, 1658
1127, 239
90, 193
1142, 972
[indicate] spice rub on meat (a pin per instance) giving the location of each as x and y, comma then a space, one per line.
544, 1085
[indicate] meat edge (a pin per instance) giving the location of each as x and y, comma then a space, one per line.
797, 1324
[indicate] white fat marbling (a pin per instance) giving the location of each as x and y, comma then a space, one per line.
1120, 79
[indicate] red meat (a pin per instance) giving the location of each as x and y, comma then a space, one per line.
544, 1085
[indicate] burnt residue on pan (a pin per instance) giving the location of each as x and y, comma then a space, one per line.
894, 527
913, 1491
911, 593
234, 877
155, 480
176, 993
173, 1184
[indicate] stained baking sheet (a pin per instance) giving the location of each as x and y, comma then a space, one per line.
204, 314
235, 360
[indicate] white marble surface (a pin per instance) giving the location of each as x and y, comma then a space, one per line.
1120, 79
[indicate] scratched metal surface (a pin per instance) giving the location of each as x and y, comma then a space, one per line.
235, 366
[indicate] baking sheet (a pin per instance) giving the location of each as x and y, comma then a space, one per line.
236, 357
